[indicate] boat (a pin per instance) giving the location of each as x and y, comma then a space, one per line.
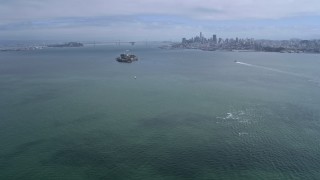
127, 57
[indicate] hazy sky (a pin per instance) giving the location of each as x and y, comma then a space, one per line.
157, 19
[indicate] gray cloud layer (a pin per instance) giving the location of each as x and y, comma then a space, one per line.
200, 9
157, 18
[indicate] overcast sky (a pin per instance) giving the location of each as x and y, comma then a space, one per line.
137, 20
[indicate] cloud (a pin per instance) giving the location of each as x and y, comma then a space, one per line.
169, 19
207, 9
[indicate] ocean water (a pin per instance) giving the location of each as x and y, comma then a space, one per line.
76, 113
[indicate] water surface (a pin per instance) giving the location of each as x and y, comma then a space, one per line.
76, 113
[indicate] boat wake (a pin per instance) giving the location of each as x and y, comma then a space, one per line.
310, 79
246, 64
270, 69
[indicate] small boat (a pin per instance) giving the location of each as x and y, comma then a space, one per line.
127, 57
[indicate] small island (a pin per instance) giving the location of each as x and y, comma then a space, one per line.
69, 44
127, 57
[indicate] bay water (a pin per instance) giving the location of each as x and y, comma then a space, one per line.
76, 113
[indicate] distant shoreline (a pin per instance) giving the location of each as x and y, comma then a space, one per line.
39, 47
286, 51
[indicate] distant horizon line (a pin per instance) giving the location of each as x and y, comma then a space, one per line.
139, 41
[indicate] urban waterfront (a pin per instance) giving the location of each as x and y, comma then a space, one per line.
76, 113
213, 43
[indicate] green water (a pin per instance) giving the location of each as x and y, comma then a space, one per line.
75, 113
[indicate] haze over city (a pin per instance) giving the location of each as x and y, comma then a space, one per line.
158, 19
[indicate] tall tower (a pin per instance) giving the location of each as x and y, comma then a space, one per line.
214, 39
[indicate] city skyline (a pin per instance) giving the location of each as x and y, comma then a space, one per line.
158, 20
247, 44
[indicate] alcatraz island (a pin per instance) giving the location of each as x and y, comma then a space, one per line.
248, 44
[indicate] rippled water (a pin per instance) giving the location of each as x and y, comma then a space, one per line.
78, 114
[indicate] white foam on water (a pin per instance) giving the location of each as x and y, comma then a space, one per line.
243, 133
229, 116
233, 116
241, 113
244, 121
